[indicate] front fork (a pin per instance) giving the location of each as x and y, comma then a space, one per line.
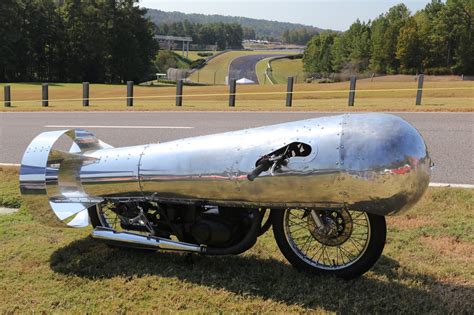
321, 228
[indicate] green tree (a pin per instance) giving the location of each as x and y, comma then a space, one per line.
132, 47
224, 35
48, 42
248, 33
33, 39
340, 53
299, 36
437, 39
164, 60
317, 57
351, 51
408, 48
380, 55
432, 42
385, 31
456, 22
13, 43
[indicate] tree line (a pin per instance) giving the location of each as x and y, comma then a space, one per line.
435, 40
75, 41
225, 36
298, 36
263, 29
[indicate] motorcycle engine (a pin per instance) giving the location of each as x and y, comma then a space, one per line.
126, 210
220, 229
211, 232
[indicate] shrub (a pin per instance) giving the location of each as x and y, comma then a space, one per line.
325, 80
438, 71
205, 54
198, 63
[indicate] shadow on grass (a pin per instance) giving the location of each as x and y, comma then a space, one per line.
391, 289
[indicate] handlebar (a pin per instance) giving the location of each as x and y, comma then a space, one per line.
262, 167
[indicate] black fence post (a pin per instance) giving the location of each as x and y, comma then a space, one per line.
179, 93
419, 92
232, 90
85, 94
45, 93
289, 92
7, 96
352, 90
129, 93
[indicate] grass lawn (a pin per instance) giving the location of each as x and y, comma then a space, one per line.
284, 68
426, 268
219, 66
438, 95
281, 70
193, 54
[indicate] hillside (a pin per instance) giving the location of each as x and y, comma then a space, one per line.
263, 28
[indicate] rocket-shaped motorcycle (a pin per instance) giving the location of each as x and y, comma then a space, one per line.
325, 184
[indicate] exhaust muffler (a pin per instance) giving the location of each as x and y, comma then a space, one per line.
142, 241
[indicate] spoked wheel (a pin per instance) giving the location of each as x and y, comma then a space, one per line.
102, 215
347, 246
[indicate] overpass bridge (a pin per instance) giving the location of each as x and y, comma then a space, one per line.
169, 41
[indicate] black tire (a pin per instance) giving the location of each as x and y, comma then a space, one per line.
372, 250
94, 217
106, 218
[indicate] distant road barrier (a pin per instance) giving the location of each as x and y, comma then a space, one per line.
45, 94
7, 95
232, 94
85, 94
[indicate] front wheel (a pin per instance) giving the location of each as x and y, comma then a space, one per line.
348, 245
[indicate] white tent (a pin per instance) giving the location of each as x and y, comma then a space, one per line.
245, 81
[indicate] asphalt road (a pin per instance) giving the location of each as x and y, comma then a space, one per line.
449, 135
244, 67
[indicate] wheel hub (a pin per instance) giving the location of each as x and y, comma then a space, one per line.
337, 227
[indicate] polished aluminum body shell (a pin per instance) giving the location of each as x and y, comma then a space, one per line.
376, 163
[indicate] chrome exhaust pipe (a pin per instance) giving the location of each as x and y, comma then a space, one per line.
143, 241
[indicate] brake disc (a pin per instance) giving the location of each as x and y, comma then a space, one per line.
338, 227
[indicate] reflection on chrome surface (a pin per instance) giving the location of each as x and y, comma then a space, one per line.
376, 163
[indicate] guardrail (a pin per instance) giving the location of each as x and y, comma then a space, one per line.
232, 94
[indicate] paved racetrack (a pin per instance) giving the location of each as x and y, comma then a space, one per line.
449, 135
244, 67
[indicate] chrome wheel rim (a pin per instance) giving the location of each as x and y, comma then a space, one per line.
343, 246
108, 218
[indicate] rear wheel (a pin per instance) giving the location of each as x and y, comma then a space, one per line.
350, 243
102, 215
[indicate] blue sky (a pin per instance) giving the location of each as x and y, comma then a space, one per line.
336, 15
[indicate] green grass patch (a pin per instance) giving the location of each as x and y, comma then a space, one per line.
284, 68
9, 189
217, 69
281, 70
426, 268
